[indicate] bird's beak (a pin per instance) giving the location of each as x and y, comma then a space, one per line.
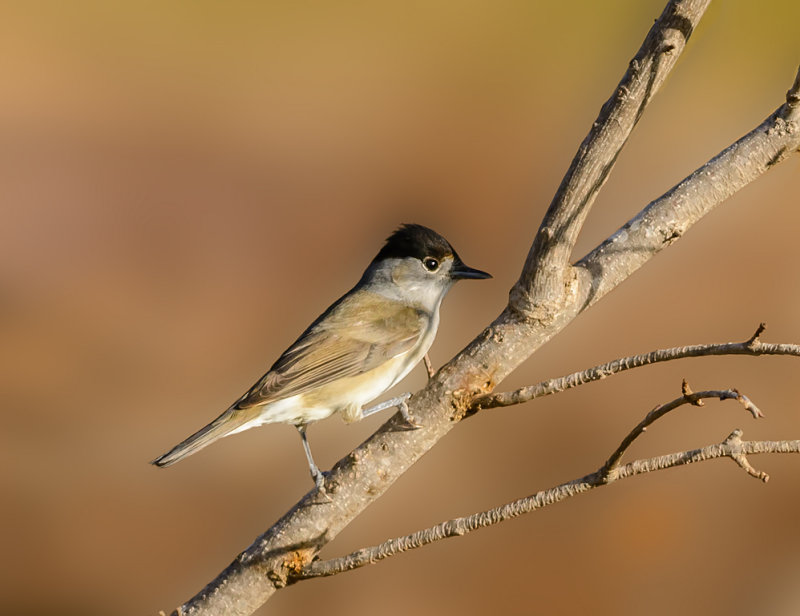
460, 270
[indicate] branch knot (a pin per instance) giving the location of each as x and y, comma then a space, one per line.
735, 450
753, 342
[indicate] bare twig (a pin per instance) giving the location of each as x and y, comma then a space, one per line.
428, 366
738, 453
732, 447
688, 397
754, 340
753, 346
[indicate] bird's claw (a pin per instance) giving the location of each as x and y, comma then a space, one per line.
407, 415
319, 481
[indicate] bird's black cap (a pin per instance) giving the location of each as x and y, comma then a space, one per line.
418, 242
412, 240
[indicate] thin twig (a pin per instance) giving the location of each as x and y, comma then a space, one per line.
752, 346
428, 366
755, 338
689, 397
732, 447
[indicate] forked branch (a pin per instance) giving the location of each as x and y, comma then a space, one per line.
732, 447
668, 218
546, 270
611, 466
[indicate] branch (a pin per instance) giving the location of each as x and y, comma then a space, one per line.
752, 346
732, 447
668, 218
428, 366
612, 464
546, 272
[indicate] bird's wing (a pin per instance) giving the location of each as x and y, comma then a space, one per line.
353, 336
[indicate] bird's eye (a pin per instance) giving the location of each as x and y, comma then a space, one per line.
430, 264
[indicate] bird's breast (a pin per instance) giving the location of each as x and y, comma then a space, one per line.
350, 394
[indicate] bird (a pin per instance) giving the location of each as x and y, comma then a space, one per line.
362, 345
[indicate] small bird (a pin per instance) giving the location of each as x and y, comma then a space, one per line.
363, 344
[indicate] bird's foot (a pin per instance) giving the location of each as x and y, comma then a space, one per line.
403, 406
319, 480
399, 402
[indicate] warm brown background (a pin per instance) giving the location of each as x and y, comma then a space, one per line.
185, 186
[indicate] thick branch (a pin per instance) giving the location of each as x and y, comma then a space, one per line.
752, 346
732, 447
667, 218
546, 271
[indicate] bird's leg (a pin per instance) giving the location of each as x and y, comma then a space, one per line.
428, 366
316, 474
399, 402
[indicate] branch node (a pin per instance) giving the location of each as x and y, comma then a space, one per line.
609, 473
734, 438
793, 95
735, 451
278, 577
753, 342
687, 394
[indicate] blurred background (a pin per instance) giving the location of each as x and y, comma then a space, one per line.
185, 186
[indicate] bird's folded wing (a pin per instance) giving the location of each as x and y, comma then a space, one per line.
353, 337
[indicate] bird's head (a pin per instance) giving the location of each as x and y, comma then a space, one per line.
420, 265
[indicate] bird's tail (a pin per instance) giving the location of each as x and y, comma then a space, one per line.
230, 421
